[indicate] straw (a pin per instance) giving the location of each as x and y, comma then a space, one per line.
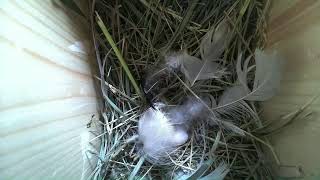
132, 37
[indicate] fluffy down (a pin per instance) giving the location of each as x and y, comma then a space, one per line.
158, 135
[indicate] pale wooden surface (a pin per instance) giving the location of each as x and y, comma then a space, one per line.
294, 31
46, 92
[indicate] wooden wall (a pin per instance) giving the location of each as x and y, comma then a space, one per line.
47, 95
294, 31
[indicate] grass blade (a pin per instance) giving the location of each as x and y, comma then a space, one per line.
119, 55
136, 168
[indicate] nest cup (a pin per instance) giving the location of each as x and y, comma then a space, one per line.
49, 109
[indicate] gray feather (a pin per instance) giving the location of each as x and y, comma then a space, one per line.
242, 71
266, 82
232, 94
267, 76
215, 41
189, 110
194, 69
232, 105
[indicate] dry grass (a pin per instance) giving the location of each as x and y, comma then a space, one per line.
133, 36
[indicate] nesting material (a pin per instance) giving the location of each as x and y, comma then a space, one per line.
162, 131
181, 83
159, 134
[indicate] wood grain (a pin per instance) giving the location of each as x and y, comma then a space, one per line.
294, 33
47, 93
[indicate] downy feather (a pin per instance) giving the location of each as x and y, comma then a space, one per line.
158, 135
162, 129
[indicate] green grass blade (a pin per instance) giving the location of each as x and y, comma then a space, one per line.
244, 7
118, 54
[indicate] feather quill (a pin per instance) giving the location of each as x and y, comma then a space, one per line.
195, 69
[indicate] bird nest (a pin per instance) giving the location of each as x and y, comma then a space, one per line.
182, 49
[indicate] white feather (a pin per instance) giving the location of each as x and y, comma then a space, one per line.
158, 135
161, 131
